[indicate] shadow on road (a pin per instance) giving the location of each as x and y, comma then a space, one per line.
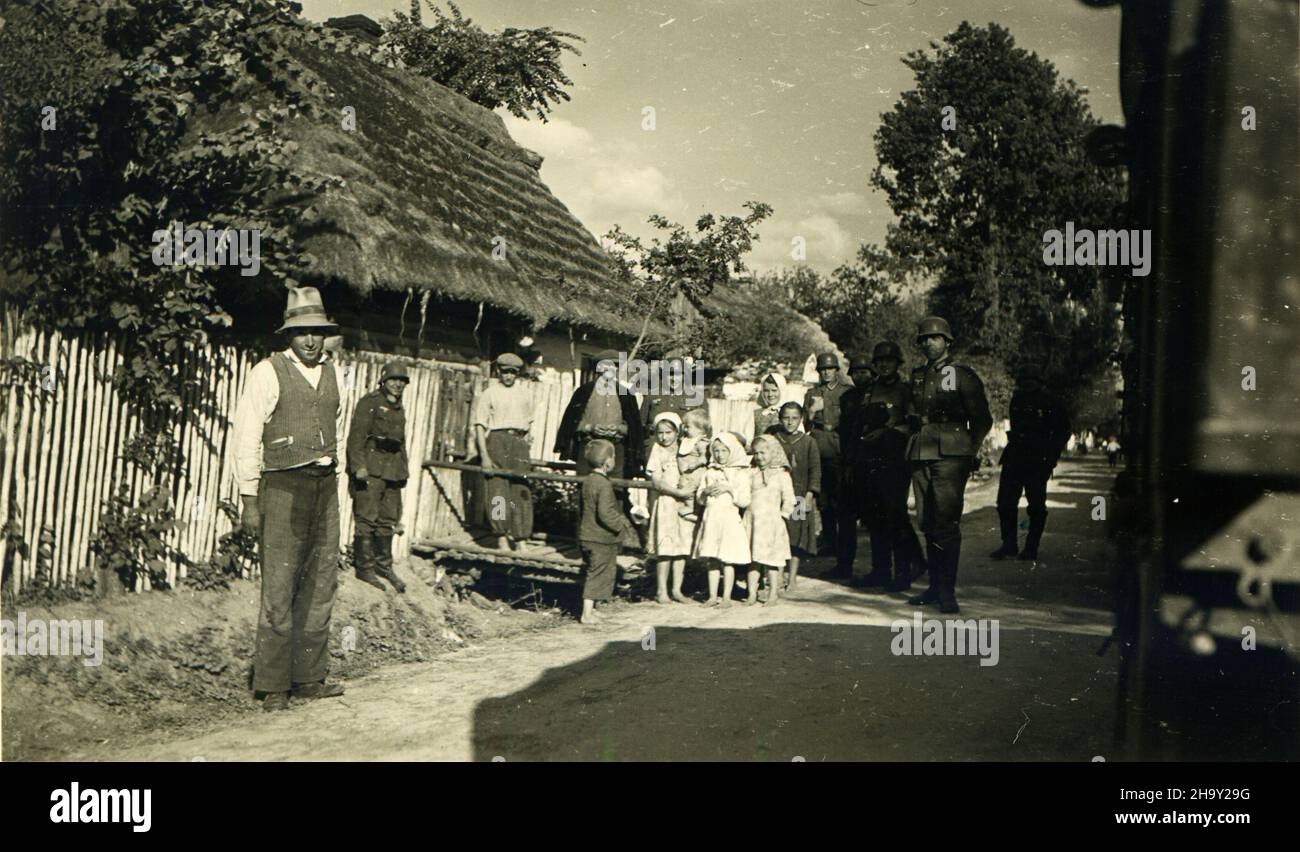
816, 691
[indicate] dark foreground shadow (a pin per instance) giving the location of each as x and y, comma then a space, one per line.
812, 691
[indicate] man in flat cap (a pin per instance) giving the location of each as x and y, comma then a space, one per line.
822, 410
503, 423
285, 455
379, 467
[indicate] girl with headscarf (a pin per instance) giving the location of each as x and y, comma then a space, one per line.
771, 503
721, 538
771, 393
671, 534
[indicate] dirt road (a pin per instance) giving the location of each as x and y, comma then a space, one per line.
813, 678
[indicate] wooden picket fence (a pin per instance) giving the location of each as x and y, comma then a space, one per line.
65, 431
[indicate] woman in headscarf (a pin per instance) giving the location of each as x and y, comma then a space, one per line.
767, 414
671, 534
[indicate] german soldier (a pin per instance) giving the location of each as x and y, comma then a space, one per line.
1039, 432
379, 467
853, 470
286, 452
950, 421
884, 455
822, 409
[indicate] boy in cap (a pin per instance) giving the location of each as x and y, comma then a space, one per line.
286, 452
379, 467
503, 422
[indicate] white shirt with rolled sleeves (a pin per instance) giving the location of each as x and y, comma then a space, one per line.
256, 405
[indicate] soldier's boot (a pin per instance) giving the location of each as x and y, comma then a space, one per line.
383, 544
1008, 548
931, 594
1036, 525
902, 559
880, 557
948, 592
364, 560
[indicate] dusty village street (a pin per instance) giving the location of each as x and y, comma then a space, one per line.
812, 678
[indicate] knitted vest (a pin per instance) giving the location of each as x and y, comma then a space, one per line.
302, 427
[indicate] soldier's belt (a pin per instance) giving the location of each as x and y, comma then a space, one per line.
387, 445
928, 421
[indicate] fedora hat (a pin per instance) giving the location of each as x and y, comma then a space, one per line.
305, 310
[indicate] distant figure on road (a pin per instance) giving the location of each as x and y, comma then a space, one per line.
1039, 433
1112, 451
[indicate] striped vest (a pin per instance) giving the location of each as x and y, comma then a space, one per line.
302, 427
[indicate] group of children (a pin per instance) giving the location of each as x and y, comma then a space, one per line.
714, 503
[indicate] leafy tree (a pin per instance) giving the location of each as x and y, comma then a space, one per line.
118, 118
974, 201
683, 268
859, 304
517, 69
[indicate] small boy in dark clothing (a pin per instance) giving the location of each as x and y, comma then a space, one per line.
602, 528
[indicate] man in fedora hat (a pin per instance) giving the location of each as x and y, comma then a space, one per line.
951, 417
379, 467
503, 422
822, 410
286, 451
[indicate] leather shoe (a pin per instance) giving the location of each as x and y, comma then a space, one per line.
949, 606
275, 701
1004, 552
929, 596
320, 689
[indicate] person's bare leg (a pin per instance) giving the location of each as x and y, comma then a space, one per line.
793, 565
751, 580
588, 612
661, 579
679, 573
728, 583
714, 574
773, 583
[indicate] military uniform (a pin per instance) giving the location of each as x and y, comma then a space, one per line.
886, 477
377, 446
950, 421
1039, 432
839, 515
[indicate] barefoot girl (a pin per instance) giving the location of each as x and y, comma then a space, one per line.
671, 535
771, 503
723, 491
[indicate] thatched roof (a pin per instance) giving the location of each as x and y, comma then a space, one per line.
433, 182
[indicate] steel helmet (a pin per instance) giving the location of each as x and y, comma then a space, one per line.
828, 361
933, 325
887, 349
395, 370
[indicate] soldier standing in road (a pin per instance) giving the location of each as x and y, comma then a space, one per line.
1039, 432
822, 408
503, 421
853, 471
379, 467
952, 417
887, 476
286, 454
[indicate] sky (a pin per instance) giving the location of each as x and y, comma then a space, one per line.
768, 100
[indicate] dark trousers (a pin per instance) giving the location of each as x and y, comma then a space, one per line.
884, 511
839, 506
376, 504
1031, 480
940, 486
509, 501
601, 570
299, 547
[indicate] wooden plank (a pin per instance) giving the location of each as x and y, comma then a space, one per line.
540, 477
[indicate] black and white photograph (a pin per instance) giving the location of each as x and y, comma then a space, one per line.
749, 381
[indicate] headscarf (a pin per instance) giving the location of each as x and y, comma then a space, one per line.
778, 452
779, 381
736, 451
672, 417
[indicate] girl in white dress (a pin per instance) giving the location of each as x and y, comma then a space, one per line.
671, 534
771, 503
722, 538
